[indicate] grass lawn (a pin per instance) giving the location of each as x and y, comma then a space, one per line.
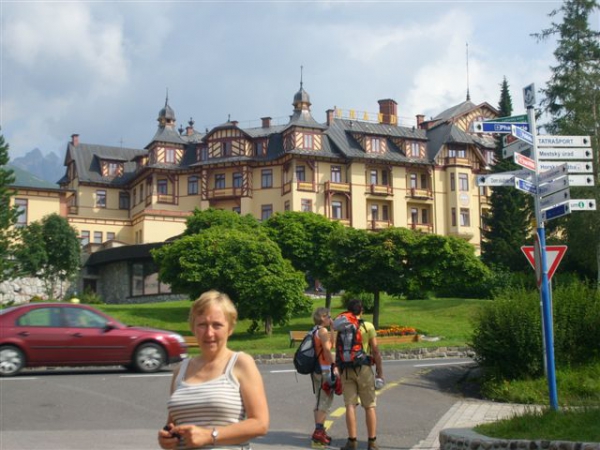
448, 319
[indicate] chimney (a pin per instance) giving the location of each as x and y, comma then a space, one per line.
420, 120
388, 109
266, 122
330, 114
234, 123
75, 140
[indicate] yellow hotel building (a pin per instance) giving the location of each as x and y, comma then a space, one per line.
366, 172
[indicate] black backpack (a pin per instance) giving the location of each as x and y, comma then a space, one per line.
306, 359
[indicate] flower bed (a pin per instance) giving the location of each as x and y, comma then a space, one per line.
396, 330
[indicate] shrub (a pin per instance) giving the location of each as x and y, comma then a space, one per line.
366, 299
90, 297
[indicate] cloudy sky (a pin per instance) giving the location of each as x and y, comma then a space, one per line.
102, 69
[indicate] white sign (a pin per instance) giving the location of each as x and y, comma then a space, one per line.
583, 204
503, 178
563, 141
557, 172
524, 161
555, 199
515, 147
581, 180
572, 166
553, 186
564, 153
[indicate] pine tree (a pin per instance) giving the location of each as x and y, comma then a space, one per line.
572, 104
507, 225
8, 214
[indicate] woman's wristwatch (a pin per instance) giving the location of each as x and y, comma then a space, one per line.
214, 434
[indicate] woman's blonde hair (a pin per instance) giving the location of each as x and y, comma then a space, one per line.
211, 298
318, 315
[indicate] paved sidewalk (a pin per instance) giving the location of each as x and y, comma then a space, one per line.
467, 414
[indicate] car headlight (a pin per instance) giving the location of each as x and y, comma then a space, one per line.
178, 338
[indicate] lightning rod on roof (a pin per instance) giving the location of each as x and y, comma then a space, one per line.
468, 95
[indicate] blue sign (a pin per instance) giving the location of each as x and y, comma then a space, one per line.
557, 211
498, 127
523, 135
524, 185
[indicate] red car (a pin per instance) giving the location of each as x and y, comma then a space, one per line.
67, 334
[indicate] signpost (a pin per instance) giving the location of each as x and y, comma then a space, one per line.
524, 161
498, 127
556, 212
555, 199
565, 153
516, 147
583, 204
525, 186
522, 135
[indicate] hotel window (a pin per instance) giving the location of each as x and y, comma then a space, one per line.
259, 148
465, 217
112, 169
162, 187
375, 145
300, 173
415, 150
226, 149
21, 204
193, 185
457, 153
463, 182
141, 193
266, 179
237, 209
307, 141
170, 155
336, 210
423, 181
374, 177
97, 237
452, 182
85, 237
385, 215
413, 181
203, 154
266, 211
424, 216
336, 174
237, 180
220, 181
100, 199
374, 212
110, 236
286, 205
306, 205
414, 215
384, 177
123, 200
144, 280
134, 196
453, 213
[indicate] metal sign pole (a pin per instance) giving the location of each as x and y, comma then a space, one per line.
548, 334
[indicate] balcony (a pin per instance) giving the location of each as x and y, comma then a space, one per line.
165, 198
420, 194
331, 186
378, 224
380, 190
224, 193
423, 227
466, 233
345, 222
305, 186
73, 209
455, 161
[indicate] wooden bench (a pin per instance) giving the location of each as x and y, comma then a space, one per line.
297, 336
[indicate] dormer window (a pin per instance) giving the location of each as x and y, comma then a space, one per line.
226, 149
415, 150
376, 145
170, 156
113, 168
308, 141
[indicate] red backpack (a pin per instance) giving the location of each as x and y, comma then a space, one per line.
349, 342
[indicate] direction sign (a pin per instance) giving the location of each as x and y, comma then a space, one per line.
524, 161
503, 178
556, 172
555, 199
517, 119
581, 180
553, 186
498, 127
572, 166
516, 147
563, 141
564, 153
583, 204
526, 186
522, 135
554, 255
557, 211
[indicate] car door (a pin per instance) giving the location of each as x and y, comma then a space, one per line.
42, 336
89, 340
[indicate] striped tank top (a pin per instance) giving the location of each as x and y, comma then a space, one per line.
216, 402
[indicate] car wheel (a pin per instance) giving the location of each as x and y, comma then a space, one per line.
149, 358
12, 360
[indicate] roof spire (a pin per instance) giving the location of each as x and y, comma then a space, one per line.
301, 67
468, 94
167, 98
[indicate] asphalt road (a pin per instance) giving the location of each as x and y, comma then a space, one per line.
82, 409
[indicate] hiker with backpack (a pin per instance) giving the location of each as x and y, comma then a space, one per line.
356, 352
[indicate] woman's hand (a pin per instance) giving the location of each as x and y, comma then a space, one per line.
167, 438
194, 436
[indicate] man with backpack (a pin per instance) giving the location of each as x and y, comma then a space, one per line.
356, 351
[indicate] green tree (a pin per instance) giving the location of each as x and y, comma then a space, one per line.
204, 219
246, 265
303, 238
572, 105
49, 250
8, 213
508, 223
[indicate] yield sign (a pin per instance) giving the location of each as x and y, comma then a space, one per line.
554, 255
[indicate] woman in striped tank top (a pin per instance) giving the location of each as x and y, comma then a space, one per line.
218, 399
